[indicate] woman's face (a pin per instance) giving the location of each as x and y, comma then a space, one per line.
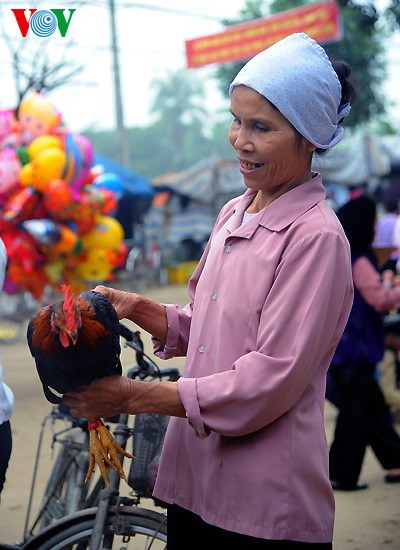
271, 159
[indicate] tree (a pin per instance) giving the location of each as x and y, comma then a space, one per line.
33, 69
178, 103
362, 47
176, 139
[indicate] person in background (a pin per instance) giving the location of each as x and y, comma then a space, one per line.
269, 300
363, 418
389, 367
6, 397
385, 231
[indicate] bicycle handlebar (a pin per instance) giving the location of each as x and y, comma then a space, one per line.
145, 367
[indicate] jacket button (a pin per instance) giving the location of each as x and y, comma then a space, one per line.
202, 349
215, 296
228, 249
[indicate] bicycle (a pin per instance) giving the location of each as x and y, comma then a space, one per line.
143, 268
75, 515
15, 310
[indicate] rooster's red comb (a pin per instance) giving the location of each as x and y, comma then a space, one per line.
69, 301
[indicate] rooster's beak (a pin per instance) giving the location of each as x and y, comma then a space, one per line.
68, 337
73, 336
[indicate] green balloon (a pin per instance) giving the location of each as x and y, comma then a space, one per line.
23, 155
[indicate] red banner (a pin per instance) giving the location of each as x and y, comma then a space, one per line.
240, 42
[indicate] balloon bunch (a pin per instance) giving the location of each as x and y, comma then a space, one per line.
56, 208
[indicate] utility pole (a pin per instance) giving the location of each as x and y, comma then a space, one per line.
122, 141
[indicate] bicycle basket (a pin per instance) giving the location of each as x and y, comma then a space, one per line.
148, 437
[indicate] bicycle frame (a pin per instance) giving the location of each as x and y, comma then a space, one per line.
121, 434
102, 501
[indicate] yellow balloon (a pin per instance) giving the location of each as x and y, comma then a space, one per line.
47, 166
107, 234
42, 143
96, 266
25, 175
54, 270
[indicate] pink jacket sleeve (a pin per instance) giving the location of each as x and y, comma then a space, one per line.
368, 282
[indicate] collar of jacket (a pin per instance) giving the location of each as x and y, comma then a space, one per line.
281, 213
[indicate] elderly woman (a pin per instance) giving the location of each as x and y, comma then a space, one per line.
245, 460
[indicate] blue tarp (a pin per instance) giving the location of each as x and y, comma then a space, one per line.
134, 184
136, 197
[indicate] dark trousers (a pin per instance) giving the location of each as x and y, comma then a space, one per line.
5, 450
363, 419
187, 530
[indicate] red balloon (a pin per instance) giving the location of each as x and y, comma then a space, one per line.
58, 199
20, 206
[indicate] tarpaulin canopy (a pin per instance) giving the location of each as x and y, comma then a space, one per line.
356, 161
133, 183
191, 200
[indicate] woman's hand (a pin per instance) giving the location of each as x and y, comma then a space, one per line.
116, 394
146, 313
103, 397
123, 302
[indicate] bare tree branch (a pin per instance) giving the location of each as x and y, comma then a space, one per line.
32, 69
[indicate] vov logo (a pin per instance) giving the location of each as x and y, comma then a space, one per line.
43, 22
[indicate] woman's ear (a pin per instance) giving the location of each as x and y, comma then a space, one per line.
309, 146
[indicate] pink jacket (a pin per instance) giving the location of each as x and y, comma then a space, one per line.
270, 300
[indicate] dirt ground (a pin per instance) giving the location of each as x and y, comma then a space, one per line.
364, 520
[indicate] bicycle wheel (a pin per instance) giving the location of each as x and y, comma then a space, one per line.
66, 491
133, 528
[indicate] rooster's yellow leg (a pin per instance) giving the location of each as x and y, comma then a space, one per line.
112, 448
98, 455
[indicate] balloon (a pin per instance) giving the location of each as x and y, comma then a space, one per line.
9, 131
34, 282
120, 256
20, 205
26, 174
83, 216
95, 266
57, 199
8, 122
54, 269
48, 165
45, 232
21, 249
68, 243
37, 116
79, 153
23, 155
9, 287
102, 200
38, 212
107, 233
42, 143
94, 172
109, 181
10, 166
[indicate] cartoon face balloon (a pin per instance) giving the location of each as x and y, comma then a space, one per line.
37, 116
95, 265
9, 170
9, 131
107, 234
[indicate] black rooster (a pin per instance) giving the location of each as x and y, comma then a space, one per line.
74, 341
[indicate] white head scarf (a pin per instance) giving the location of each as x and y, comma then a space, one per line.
295, 74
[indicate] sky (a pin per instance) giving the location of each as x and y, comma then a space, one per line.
151, 42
